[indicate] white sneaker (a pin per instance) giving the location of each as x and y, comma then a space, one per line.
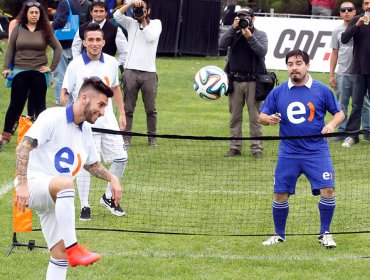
273, 240
348, 142
326, 239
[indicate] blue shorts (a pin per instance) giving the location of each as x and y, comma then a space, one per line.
318, 170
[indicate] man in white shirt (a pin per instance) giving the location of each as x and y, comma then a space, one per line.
140, 68
93, 62
56, 147
115, 40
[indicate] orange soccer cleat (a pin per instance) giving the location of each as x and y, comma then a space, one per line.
78, 255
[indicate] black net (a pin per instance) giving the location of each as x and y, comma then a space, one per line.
185, 185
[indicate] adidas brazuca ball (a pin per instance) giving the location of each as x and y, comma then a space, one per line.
210, 82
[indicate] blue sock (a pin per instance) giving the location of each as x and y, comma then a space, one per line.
326, 208
280, 211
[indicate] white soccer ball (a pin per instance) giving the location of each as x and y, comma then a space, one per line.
210, 82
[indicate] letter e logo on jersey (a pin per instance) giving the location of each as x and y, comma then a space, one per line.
64, 159
327, 176
297, 110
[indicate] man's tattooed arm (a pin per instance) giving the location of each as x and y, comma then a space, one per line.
22, 155
99, 171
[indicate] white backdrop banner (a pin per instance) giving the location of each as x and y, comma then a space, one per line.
286, 34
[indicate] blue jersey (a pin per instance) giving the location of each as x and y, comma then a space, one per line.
302, 110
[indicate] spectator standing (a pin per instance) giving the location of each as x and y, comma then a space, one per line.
322, 7
359, 30
56, 147
140, 68
27, 53
85, 11
93, 62
299, 106
247, 50
60, 20
115, 40
342, 57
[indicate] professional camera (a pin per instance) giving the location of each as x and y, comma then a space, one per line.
138, 11
245, 22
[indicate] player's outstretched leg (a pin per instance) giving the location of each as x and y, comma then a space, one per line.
280, 211
326, 208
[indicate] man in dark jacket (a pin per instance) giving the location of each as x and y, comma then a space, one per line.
247, 50
60, 20
359, 30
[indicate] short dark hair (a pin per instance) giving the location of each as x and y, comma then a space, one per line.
100, 3
298, 52
93, 26
96, 84
148, 3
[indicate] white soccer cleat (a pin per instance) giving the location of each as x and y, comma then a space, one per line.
348, 142
326, 239
273, 240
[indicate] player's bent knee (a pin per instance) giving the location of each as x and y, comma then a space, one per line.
61, 183
327, 192
281, 197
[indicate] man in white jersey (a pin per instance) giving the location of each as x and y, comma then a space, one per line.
93, 62
57, 146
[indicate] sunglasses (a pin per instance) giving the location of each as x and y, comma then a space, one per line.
33, 4
98, 1
346, 9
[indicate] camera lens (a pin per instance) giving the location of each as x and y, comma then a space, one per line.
243, 23
138, 11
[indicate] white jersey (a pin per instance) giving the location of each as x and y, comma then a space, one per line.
63, 147
106, 68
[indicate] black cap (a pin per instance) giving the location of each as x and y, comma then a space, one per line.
246, 12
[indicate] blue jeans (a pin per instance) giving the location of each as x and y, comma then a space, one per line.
59, 72
361, 86
344, 93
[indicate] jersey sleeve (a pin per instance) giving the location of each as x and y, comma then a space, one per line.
43, 128
332, 105
269, 106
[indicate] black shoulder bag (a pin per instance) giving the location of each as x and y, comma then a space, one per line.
265, 82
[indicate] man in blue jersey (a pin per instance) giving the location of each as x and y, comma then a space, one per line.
299, 106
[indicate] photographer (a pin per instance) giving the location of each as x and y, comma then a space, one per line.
140, 70
247, 50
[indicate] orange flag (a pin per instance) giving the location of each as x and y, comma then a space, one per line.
22, 221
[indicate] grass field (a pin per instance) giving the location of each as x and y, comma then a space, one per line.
160, 256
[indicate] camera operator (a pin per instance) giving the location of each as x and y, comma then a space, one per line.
140, 67
247, 50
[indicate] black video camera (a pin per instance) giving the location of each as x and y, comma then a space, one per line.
138, 11
245, 22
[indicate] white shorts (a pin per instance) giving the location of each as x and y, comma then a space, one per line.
110, 146
42, 202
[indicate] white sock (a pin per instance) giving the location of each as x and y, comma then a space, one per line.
83, 185
65, 215
57, 269
117, 168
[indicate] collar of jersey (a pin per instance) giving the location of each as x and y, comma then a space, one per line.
70, 115
87, 59
308, 84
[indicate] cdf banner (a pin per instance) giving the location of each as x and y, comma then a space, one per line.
286, 34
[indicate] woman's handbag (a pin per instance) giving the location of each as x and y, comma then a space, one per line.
68, 32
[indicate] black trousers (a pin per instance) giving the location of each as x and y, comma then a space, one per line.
27, 84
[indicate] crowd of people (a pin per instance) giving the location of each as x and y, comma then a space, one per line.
86, 79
